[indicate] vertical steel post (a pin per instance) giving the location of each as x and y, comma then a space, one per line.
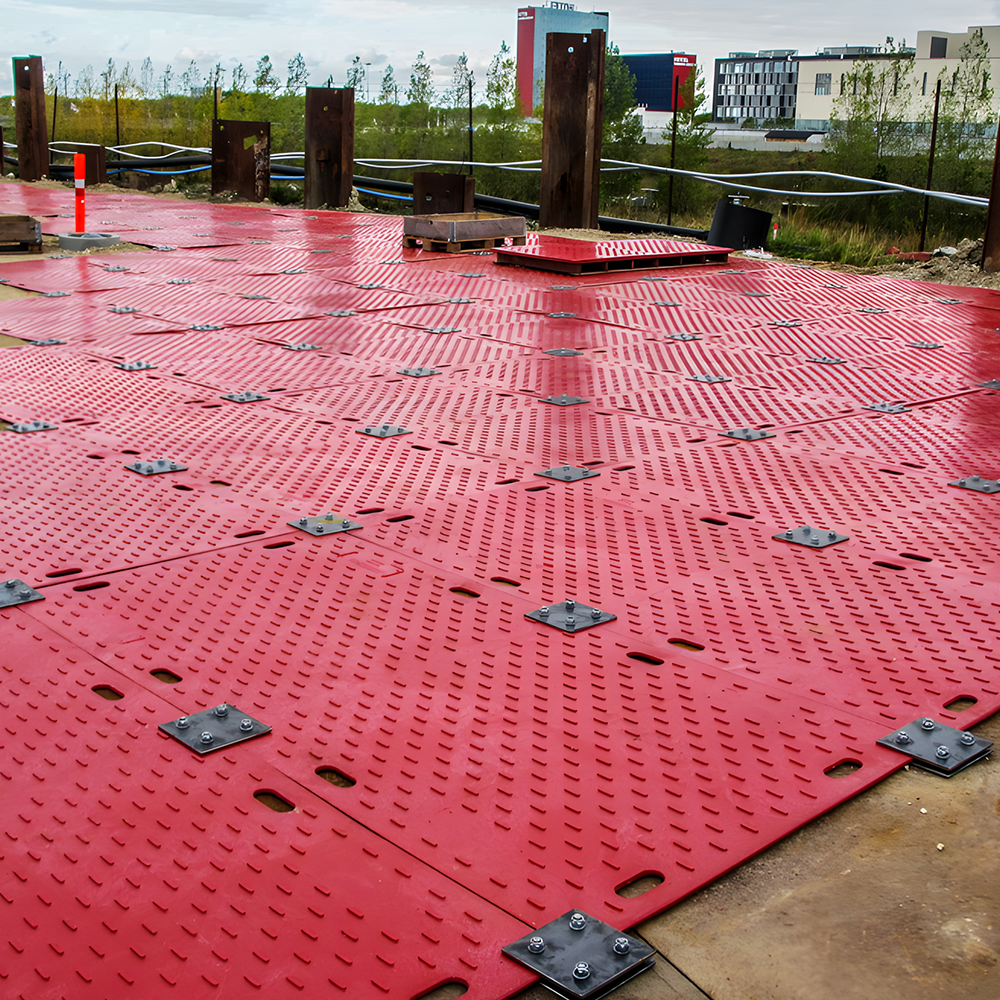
991, 238
55, 108
930, 164
673, 155
571, 130
241, 158
30, 132
329, 135
470, 126
118, 127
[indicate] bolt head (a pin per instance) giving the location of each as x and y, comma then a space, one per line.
570, 605
622, 946
903, 737
595, 613
577, 922
581, 971
942, 752
536, 945
927, 724
221, 711
182, 722
10, 584
206, 737
544, 612
967, 739
246, 725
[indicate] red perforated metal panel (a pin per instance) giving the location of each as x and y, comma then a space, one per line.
453, 771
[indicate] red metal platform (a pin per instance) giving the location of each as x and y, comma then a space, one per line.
443, 773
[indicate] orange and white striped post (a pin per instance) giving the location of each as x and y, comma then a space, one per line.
80, 177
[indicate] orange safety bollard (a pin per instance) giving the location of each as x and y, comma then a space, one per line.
80, 176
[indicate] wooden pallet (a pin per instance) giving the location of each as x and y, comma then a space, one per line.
20, 233
445, 246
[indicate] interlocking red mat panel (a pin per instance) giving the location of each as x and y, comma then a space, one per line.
444, 773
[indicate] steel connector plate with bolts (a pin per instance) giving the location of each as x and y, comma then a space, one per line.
562, 315
48, 342
84, 241
443, 329
978, 484
417, 372
300, 347
341, 313
565, 400
204, 327
786, 323
215, 728
383, 431
812, 538
993, 383
936, 747
580, 957
925, 345
685, 337
710, 379
747, 434
665, 304
30, 426
249, 396
14, 592
155, 467
888, 407
135, 366
568, 473
563, 352
324, 524
571, 616
121, 310
822, 360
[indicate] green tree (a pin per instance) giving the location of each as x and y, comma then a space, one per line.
965, 119
870, 119
461, 76
166, 81
621, 135
239, 80
86, 85
691, 149
109, 77
147, 79
264, 81
421, 89
298, 76
189, 80
388, 92
356, 74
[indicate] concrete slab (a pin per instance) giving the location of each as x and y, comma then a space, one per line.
893, 893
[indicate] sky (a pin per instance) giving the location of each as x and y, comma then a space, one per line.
330, 33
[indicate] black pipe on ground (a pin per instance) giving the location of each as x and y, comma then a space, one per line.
505, 206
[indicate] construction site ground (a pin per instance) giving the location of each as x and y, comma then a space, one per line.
701, 770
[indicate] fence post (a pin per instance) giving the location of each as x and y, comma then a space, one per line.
930, 165
329, 133
991, 239
241, 158
571, 130
30, 129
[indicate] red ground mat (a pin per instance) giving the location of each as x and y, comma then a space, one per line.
444, 772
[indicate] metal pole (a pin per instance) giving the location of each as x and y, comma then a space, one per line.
118, 127
470, 126
930, 164
55, 107
215, 95
673, 155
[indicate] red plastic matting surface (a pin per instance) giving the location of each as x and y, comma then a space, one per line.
442, 772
